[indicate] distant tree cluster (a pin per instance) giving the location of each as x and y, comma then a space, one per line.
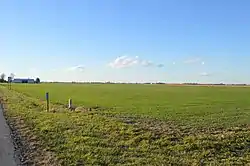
37, 80
2, 78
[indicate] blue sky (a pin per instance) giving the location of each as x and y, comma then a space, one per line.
126, 40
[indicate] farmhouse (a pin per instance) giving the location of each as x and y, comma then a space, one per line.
23, 80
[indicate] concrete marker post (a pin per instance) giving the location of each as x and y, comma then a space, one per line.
70, 104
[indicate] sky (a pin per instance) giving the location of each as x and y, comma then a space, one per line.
170, 41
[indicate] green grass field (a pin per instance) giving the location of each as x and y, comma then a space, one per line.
138, 124
190, 104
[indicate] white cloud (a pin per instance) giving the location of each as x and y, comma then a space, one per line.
147, 63
77, 68
125, 61
205, 74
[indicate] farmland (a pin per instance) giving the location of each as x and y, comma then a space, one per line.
191, 104
136, 124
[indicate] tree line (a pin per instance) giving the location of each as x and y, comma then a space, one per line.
3, 78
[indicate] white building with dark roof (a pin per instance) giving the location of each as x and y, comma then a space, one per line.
23, 80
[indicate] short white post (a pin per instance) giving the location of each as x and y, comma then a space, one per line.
70, 104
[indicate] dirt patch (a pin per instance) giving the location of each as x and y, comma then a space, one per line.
170, 128
87, 109
81, 109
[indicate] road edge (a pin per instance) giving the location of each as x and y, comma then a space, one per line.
16, 155
18, 146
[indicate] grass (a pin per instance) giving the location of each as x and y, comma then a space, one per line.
186, 104
140, 125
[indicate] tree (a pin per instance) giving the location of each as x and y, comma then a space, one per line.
37, 80
2, 77
12, 75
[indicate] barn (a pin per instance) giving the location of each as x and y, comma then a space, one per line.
23, 80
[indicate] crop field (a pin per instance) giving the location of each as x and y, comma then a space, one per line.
133, 124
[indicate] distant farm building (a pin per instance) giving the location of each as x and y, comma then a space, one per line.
23, 80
